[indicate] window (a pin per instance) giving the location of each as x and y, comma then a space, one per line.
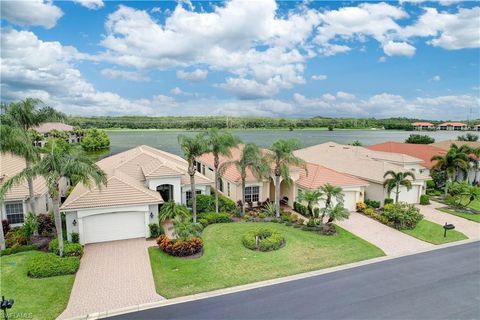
199, 166
14, 212
188, 195
220, 184
252, 194
203, 169
228, 189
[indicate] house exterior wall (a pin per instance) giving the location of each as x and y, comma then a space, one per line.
376, 191
153, 183
43, 204
205, 189
352, 195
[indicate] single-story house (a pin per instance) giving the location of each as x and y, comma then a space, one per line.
139, 181
45, 128
16, 205
425, 152
423, 126
453, 126
473, 173
261, 190
365, 165
476, 127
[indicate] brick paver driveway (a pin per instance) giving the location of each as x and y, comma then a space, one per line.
112, 275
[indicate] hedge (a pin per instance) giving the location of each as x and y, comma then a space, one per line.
206, 203
69, 249
18, 249
210, 218
424, 199
268, 240
50, 265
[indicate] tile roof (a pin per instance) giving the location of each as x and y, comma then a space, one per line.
46, 127
453, 124
422, 124
10, 165
319, 175
445, 145
126, 174
421, 151
350, 160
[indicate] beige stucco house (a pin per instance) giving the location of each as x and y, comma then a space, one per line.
420, 126
45, 128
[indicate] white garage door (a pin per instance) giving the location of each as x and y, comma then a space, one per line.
113, 226
349, 199
410, 196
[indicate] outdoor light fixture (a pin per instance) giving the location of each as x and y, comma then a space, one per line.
4, 305
74, 222
151, 215
447, 227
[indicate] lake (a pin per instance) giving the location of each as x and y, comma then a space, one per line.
167, 140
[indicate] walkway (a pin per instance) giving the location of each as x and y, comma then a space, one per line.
469, 228
391, 241
112, 275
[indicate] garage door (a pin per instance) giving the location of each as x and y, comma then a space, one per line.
349, 199
113, 226
408, 196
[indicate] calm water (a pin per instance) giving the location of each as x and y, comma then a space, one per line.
168, 140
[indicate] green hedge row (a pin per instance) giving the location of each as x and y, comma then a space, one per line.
50, 265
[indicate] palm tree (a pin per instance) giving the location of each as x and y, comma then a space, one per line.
475, 159
220, 143
338, 212
282, 157
59, 162
192, 148
472, 193
251, 159
450, 163
171, 210
396, 180
329, 193
311, 197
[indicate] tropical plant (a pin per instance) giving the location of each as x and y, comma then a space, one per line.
171, 210
282, 157
184, 228
59, 162
30, 226
192, 148
95, 140
219, 144
450, 164
251, 159
472, 193
337, 212
330, 193
357, 143
311, 197
393, 181
269, 209
419, 139
468, 137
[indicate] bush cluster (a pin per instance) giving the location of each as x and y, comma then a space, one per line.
75, 237
300, 208
388, 201
18, 249
69, 249
210, 218
155, 230
361, 206
206, 203
424, 199
49, 265
15, 238
46, 224
180, 248
402, 215
268, 240
6, 226
372, 203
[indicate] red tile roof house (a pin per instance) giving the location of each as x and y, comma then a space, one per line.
46, 127
261, 190
423, 126
453, 126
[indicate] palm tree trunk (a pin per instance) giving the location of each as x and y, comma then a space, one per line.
58, 223
446, 187
397, 194
216, 164
243, 196
277, 196
2, 236
31, 194
194, 197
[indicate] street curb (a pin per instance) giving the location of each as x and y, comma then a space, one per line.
265, 283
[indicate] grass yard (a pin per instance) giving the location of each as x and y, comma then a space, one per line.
226, 262
34, 298
469, 216
433, 233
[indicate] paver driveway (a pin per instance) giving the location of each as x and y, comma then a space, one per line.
112, 275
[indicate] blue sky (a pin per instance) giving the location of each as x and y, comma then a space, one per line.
290, 59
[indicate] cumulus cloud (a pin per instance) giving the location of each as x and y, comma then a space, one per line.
90, 4
319, 77
194, 76
31, 13
435, 78
398, 49
123, 74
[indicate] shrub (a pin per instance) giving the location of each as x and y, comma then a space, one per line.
300, 208
369, 211
15, 237
431, 184
316, 212
424, 199
203, 222
205, 203
402, 215
46, 225
388, 201
311, 223
180, 248
75, 237
285, 216
154, 230
419, 139
213, 217
226, 204
274, 220
6, 226
17, 249
262, 215
372, 203
301, 221
361, 206
69, 249
293, 218
29, 226
268, 240
49, 265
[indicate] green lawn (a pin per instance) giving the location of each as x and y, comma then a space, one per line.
469, 216
475, 205
433, 233
34, 298
226, 262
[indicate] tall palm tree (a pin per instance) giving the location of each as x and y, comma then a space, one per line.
251, 159
192, 148
329, 193
393, 180
311, 197
171, 210
282, 157
59, 162
219, 143
450, 163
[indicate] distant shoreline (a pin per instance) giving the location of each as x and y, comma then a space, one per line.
253, 129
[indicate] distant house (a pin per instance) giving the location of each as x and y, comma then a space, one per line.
476, 127
453, 126
47, 127
423, 126
474, 172
257, 191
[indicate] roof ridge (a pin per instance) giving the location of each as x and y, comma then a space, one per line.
84, 193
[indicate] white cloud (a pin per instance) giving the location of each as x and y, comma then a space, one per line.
31, 13
176, 91
332, 49
398, 49
382, 59
122, 74
91, 4
319, 77
435, 78
345, 95
156, 10
194, 76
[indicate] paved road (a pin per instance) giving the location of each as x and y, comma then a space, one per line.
441, 284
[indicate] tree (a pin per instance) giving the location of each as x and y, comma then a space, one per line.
59, 162
419, 139
251, 159
311, 197
192, 148
95, 140
468, 137
220, 143
472, 193
337, 212
171, 210
282, 157
450, 163
357, 143
330, 193
393, 181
